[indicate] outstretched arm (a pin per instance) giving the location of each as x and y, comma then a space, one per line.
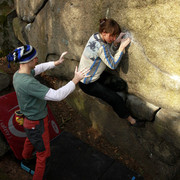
63, 92
48, 65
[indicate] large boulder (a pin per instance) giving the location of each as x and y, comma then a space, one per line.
150, 66
155, 147
8, 41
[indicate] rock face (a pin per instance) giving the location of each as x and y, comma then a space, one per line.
150, 66
8, 41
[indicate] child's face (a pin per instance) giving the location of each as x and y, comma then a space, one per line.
108, 37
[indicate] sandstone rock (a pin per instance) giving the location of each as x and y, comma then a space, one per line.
141, 109
150, 83
167, 126
161, 138
157, 146
155, 153
18, 27
27, 10
65, 71
61, 20
8, 40
150, 66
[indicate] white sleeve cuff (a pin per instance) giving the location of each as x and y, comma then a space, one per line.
61, 93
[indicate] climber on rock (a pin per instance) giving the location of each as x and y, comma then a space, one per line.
105, 49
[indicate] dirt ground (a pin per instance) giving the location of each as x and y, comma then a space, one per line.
70, 121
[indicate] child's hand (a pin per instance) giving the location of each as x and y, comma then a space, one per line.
119, 38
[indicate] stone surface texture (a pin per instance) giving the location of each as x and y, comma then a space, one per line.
150, 66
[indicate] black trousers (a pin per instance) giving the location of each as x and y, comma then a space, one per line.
105, 88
